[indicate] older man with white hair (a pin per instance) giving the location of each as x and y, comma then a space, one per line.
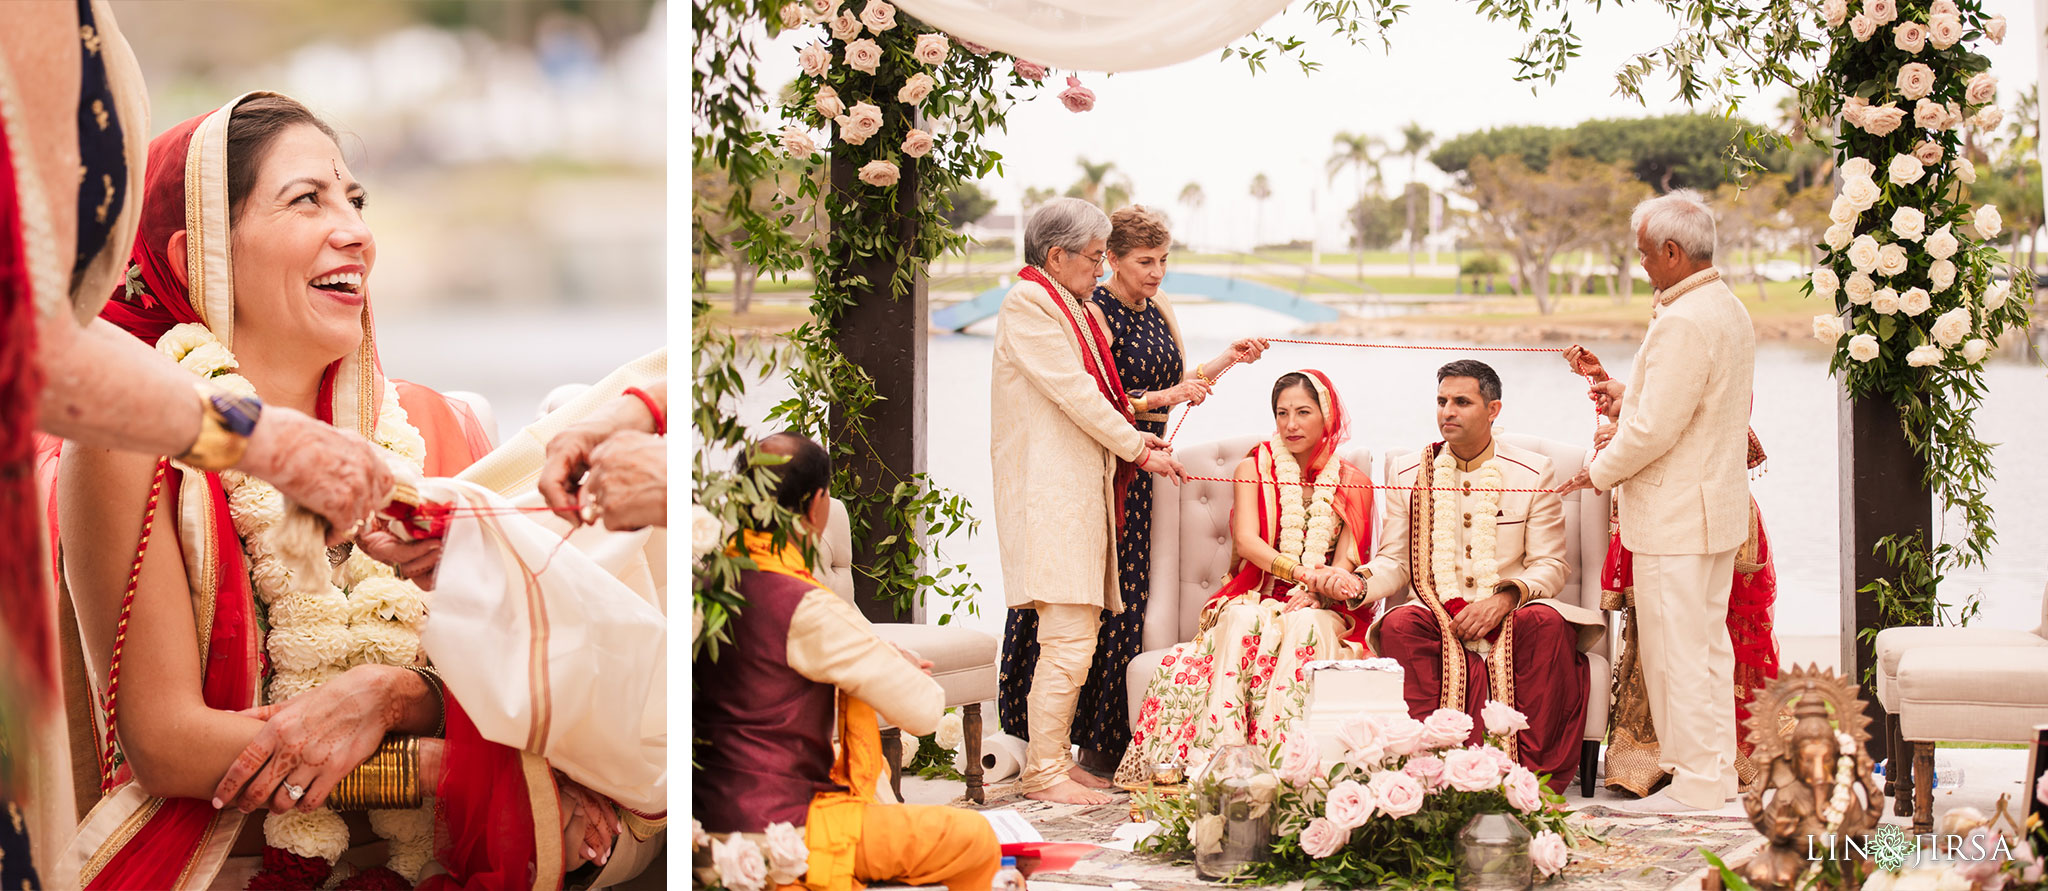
1064, 447
1679, 458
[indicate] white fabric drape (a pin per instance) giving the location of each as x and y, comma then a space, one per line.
1090, 35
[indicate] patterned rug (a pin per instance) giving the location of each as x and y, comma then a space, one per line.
1643, 852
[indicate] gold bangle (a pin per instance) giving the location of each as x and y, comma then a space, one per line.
432, 677
389, 779
1283, 568
217, 447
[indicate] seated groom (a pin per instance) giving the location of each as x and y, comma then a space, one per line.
765, 717
1482, 623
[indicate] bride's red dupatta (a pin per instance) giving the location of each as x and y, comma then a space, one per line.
497, 821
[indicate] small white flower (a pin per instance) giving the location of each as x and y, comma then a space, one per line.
1974, 350
698, 837
1843, 211
1863, 347
319, 834
705, 532
182, 339
1924, 355
1858, 168
789, 855
739, 864
1838, 235
1987, 222
1965, 171
1861, 192
1891, 259
1994, 296
1941, 274
949, 736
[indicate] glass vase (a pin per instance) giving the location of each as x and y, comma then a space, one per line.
1493, 854
1233, 825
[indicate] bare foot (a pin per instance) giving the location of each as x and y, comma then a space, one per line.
1069, 792
1081, 775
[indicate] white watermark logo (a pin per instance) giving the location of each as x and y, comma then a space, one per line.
1890, 848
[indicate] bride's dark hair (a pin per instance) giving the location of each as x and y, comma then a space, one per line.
252, 128
1292, 379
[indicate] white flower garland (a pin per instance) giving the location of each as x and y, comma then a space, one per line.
1307, 527
1443, 529
318, 628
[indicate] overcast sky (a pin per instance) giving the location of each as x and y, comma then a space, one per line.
1215, 123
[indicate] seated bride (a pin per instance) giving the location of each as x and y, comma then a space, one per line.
1301, 520
236, 664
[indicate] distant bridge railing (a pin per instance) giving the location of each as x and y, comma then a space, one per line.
1215, 287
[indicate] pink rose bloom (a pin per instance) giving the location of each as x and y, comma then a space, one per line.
1405, 735
859, 123
1075, 97
1983, 88
879, 173
846, 27
1501, 761
972, 47
1994, 28
878, 16
1834, 11
1928, 152
931, 48
797, 144
1915, 80
1883, 12
1501, 717
828, 103
1426, 769
792, 16
1881, 120
1399, 795
1522, 789
1988, 118
1321, 838
1943, 7
915, 89
1861, 27
1982, 871
1929, 115
864, 55
739, 863
1944, 31
815, 60
1911, 37
822, 10
1349, 805
2041, 788
1028, 70
1470, 770
1547, 853
918, 144
1448, 727
1363, 740
1301, 762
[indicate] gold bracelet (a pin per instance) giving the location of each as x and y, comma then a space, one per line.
389, 779
217, 447
1283, 568
432, 676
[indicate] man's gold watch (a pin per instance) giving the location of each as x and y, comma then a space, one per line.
225, 424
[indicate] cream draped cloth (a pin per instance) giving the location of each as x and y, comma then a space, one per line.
557, 649
1089, 35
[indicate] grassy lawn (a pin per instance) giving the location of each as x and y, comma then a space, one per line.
762, 318
1782, 303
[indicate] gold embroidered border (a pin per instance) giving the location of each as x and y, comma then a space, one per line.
118, 840
1422, 578
547, 829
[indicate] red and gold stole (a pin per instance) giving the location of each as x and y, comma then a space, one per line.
1093, 344
1422, 579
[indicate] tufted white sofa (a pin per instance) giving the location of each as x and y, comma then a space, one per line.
963, 661
1191, 550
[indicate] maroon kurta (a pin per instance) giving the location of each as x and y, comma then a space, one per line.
1550, 683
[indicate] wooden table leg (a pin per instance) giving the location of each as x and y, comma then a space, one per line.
1894, 750
892, 752
970, 726
1902, 764
1923, 788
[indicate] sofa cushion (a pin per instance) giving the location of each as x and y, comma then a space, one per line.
1894, 643
963, 661
1972, 693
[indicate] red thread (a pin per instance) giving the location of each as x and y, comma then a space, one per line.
107, 748
1219, 479
653, 408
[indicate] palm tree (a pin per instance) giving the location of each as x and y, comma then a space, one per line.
1191, 197
1097, 186
1261, 190
1414, 141
1360, 152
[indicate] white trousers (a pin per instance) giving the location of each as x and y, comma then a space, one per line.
1066, 648
1689, 670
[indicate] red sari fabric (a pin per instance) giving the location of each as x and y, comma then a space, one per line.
486, 820
25, 608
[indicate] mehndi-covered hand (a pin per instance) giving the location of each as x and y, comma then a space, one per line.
415, 561
1479, 619
590, 823
1584, 363
309, 743
628, 481
332, 472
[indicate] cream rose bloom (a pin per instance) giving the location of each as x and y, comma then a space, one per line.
789, 854
208, 359
1952, 327
1858, 168
1863, 253
823, 10
879, 173
1983, 88
1942, 244
1838, 235
917, 143
797, 144
1930, 115
1861, 192
1884, 302
1944, 31
1975, 349
1924, 355
828, 103
1994, 28
1834, 12
1905, 170
932, 49
1881, 120
792, 16
1911, 37
1909, 223
859, 123
739, 864
814, 59
1891, 260
864, 55
1988, 118
1915, 80
1994, 296
1915, 301
1861, 27
878, 16
1827, 329
1825, 283
915, 89
1941, 274
1928, 153
1965, 171
183, 339
1863, 347
1883, 12
1987, 221
846, 27
1943, 7
1843, 211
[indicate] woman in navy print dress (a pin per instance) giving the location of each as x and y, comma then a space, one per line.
1145, 341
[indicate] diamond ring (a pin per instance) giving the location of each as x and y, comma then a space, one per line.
296, 792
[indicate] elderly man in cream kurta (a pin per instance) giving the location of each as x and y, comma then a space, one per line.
1055, 440
1679, 458
1485, 624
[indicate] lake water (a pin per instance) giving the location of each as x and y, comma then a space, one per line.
1391, 397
